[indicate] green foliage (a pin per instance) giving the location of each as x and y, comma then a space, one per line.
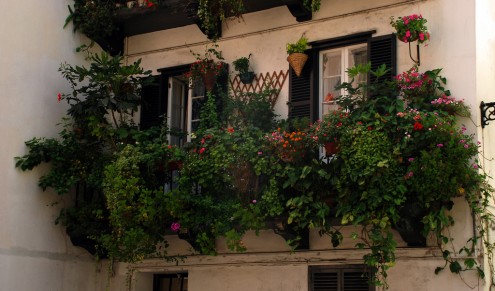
213, 12
241, 65
241, 173
252, 109
312, 5
93, 18
298, 47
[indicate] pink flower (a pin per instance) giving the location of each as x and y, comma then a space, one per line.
421, 36
254, 201
475, 166
175, 226
440, 145
410, 159
408, 34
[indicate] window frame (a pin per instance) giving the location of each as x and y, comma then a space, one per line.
304, 91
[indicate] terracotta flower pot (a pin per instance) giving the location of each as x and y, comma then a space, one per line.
209, 79
332, 148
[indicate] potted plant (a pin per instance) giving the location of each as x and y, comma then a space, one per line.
209, 14
411, 28
207, 67
297, 58
241, 65
328, 131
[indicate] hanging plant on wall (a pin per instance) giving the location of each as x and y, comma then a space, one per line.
297, 58
211, 13
411, 28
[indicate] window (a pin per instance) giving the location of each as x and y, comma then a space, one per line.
339, 278
332, 68
179, 100
170, 282
326, 67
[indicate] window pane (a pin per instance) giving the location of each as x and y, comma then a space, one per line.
358, 56
332, 64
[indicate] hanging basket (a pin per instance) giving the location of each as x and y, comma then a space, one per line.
297, 61
209, 79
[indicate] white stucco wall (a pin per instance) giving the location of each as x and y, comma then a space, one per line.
35, 254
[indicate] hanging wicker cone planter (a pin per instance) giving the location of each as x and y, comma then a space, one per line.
297, 61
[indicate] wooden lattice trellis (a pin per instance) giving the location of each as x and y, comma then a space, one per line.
274, 81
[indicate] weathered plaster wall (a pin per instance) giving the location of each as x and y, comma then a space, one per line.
453, 47
34, 253
485, 84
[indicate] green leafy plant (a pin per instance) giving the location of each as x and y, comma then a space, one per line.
103, 99
298, 47
93, 18
212, 12
241, 65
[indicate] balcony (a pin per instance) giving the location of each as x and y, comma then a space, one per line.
178, 13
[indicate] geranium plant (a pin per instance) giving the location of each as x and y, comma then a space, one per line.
208, 63
411, 28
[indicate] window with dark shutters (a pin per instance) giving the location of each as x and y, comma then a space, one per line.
155, 96
339, 278
304, 90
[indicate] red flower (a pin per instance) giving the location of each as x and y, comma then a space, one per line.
59, 96
202, 150
418, 126
230, 130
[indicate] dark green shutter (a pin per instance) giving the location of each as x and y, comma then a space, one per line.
339, 278
382, 50
153, 103
221, 89
301, 104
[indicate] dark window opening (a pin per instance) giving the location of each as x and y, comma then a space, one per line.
170, 282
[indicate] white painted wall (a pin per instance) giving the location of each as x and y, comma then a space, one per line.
34, 253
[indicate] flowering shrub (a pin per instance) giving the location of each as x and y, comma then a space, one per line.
411, 28
329, 129
206, 64
288, 146
451, 105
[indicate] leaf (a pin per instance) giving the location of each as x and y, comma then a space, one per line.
455, 267
438, 270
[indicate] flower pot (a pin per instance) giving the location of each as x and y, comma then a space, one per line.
247, 77
209, 79
410, 225
131, 4
175, 165
297, 61
332, 148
